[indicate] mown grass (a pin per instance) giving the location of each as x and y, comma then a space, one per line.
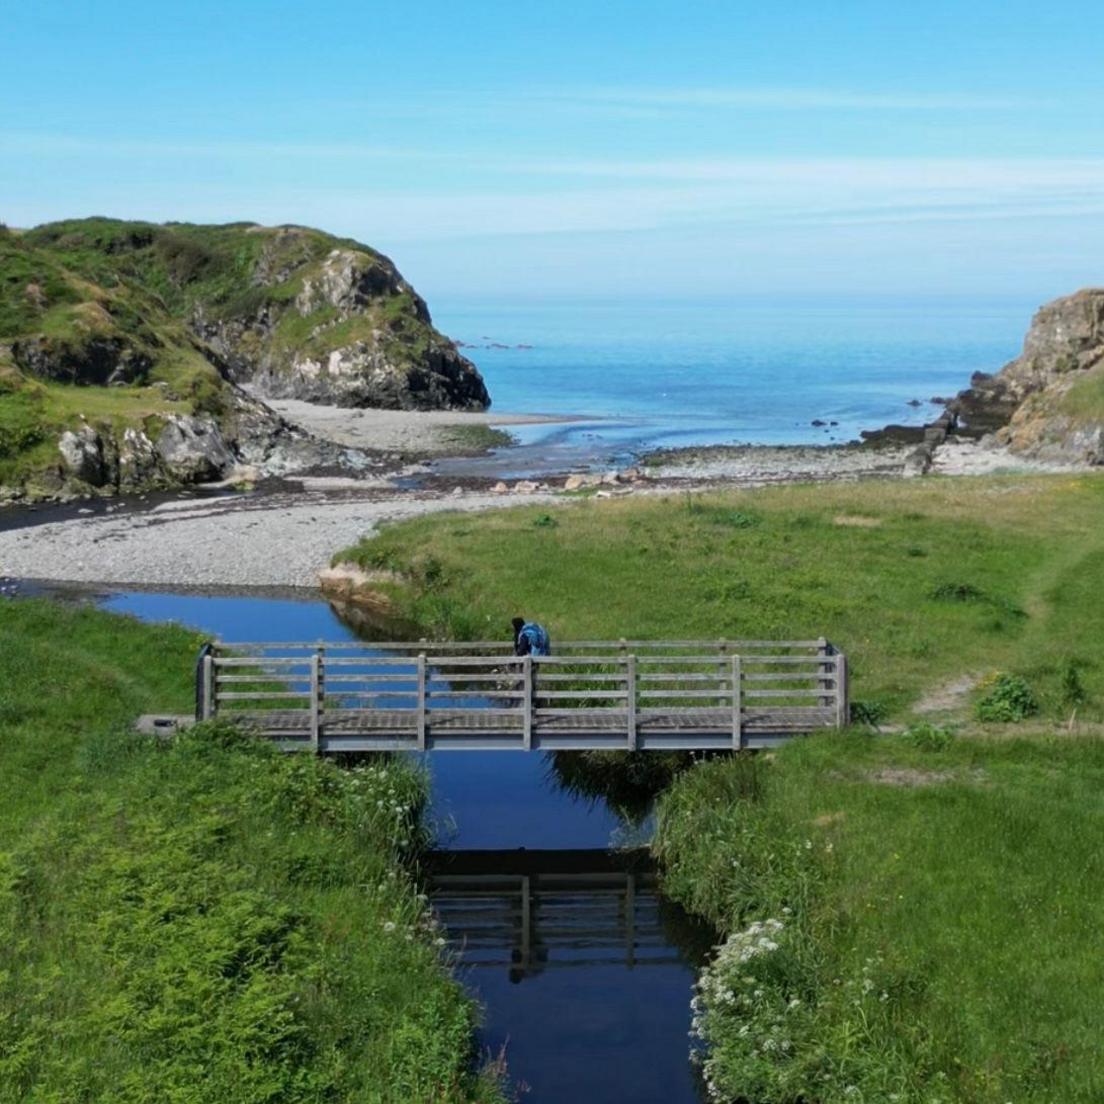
919, 582
204, 919
938, 923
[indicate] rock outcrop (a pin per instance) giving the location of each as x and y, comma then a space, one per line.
123, 348
1048, 403
354, 334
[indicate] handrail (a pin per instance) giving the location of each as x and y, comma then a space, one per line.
430, 698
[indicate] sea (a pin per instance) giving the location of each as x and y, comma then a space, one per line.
639, 374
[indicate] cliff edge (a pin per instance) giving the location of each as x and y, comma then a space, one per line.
1048, 403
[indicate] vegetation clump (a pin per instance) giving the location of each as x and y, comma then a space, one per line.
1008, 698
875, 899
203, 919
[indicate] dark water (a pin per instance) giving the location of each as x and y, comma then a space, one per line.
584, 968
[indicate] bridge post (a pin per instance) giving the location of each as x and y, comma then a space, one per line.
315, 700
737, 705
824, 652
843, 705
527, 702
421, 714
630, 700
208, 699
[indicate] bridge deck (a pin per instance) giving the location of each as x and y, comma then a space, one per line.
680, 696
472, 730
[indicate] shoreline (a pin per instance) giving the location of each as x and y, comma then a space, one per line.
285, 531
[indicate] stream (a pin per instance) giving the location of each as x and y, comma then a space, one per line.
550, 899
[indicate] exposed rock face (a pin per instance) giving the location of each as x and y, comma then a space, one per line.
362, 337
178, 316
1048, 403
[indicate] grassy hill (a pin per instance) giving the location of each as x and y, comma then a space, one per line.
127, 322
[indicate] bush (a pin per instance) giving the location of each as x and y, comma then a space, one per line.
929, 737
957, 592
869, 712
1009, 699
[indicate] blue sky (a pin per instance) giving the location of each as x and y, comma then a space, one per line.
684, 150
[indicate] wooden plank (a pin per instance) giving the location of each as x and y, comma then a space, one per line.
421, 717
737, 705
790, 693
504, 695
843, 707
260, 695
392, 677
527, 704
262, 662
432, 646
595, 695
630, 691
315, 703
717, 691
208, 703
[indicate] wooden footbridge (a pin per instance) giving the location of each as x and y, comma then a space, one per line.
622, 695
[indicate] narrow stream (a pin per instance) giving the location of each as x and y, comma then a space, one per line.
550, 900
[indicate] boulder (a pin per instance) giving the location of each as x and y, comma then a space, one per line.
192, 449
500, 488
526, 486
82, 455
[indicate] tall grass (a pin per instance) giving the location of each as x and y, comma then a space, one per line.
203, 919
939, 918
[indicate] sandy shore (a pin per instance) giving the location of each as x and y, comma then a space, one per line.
422, 432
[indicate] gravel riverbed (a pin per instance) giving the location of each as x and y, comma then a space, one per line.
264, 539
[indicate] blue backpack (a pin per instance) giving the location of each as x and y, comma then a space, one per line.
536, 637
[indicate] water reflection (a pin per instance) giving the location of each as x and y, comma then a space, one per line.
529, 911
584, 968
628, 782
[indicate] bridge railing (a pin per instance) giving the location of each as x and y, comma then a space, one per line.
623, 694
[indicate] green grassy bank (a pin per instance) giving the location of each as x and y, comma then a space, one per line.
919, 582
906, 918
206, 919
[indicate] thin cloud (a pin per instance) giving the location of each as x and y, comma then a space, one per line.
786, 99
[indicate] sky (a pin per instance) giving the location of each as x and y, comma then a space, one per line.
518, 149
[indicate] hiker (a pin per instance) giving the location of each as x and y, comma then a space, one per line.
530, 638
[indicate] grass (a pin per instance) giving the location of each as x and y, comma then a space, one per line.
476, 438
940, 934
204, 919
1084, 401
919, 582
905, 918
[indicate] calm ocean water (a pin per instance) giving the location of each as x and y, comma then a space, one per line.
669, 374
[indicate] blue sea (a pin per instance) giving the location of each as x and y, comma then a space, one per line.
645, 374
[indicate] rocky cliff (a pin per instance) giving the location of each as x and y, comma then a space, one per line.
1048, 403
123, 345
